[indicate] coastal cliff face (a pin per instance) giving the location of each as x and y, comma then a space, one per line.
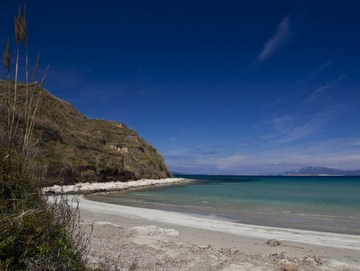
75, 149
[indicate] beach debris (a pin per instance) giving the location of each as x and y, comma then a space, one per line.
229, 251
289, 263
290, 267
314, 260
204, 247
153, 230
273, 242
285, 262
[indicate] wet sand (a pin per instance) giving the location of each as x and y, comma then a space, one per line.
148, 239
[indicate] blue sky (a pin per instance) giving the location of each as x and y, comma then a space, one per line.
219, 87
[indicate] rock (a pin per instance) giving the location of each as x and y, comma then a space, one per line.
273, 242
289, 267
314, 260
153, 230
86, 188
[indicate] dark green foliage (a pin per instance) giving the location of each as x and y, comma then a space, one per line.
35, 235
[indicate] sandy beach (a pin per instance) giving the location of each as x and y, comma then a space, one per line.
131, 238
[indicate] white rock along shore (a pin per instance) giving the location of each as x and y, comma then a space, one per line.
86, 188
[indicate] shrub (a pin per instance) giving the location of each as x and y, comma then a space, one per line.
34, 235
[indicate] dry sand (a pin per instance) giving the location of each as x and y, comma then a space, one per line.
130, 238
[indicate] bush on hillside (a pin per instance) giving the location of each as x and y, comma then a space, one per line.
36, 235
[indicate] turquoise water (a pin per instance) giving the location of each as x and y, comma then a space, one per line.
314, 203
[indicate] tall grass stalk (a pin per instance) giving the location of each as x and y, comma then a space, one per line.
34, 235
20, 142
7, 62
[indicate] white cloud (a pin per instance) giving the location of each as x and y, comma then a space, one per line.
229, 162
289, 128
333, 153
313, 73
277, 40
303, 126
322, 67
274, 155
320, 91
242, 144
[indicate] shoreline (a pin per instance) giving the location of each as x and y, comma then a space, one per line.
335, 240
141, 230
201, 211
90, 188
152, 239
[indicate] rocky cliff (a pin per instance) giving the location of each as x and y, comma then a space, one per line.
75, 149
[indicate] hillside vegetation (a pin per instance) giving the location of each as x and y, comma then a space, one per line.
34, 235
73, 148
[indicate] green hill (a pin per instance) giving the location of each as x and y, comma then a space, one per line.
75, 149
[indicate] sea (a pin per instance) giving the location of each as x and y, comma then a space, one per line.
321, 203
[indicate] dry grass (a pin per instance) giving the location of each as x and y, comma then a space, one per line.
34, 235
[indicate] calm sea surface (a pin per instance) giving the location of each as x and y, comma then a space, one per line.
314, 203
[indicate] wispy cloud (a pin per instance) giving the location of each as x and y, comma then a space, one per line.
337, 153
316, 71
228, 162
204, 151
300, 126
321, 67
172, 139
319, 155
242, 144
280, 160
277, 40
320, 91
290, 128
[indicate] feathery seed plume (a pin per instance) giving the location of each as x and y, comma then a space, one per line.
18, 26
21, 26
24, 24
7, 56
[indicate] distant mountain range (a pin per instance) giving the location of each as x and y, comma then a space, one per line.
316, 171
